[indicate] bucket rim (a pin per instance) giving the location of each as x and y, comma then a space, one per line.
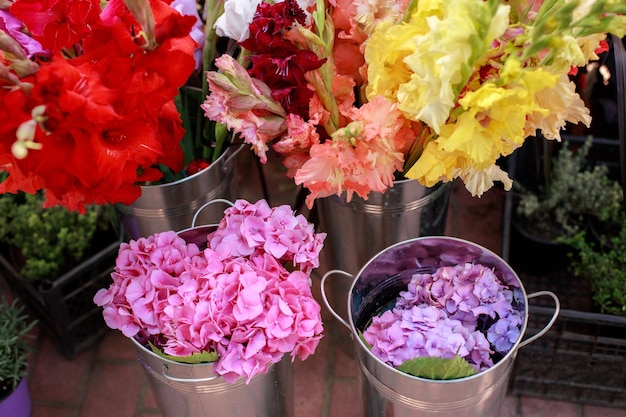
221, 160
509, 355
437, 188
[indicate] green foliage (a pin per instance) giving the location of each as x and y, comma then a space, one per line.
574, 193
438, 368
15, 327
604, 265
202, 357
47, 241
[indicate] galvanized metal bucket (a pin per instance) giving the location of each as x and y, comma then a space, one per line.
360, 229
193, 390
172, 206
385, 391
185, 390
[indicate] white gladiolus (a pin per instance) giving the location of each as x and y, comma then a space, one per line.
236, 19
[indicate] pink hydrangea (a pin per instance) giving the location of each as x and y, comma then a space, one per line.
257, 227
462, 309
236, 297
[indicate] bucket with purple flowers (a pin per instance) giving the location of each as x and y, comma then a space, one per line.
436, 324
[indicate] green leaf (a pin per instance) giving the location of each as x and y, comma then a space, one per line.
202, 357
438, 368
364, 341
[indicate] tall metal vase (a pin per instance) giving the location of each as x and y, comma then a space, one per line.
358, 230
172, 206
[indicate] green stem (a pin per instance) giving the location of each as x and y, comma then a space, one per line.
214, 10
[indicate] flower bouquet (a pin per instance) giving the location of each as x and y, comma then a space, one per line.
356, 94
241, 300
97, 98
448, 324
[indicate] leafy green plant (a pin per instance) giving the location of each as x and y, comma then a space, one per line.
15, 330
46, 242
438, 368
574, 192
603, 263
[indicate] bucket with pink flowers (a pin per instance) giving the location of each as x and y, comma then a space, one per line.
218, 313
436, 324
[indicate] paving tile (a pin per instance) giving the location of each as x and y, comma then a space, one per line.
51, 411
113, 390
537, 407
309, 378
149, 400
115, 345
345, 399
596, 411
56, 379
345, 365
509, 407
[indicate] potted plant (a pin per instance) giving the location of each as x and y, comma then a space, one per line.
55, 259
45, 242
14, 352
603, 265
571, 192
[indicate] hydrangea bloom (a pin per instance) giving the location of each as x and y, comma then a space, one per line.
463, 309
247, 296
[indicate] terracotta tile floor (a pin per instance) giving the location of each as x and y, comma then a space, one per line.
108, 380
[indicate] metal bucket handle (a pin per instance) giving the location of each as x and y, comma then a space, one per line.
185, 380
555, 315
557, 306
205, 205
325, 299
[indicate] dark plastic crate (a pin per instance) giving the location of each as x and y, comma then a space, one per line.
582, 358
64, 306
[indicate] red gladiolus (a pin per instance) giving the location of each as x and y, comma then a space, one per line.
89, 149
268, 25
100, 123
278, 62
196, 166
57, 24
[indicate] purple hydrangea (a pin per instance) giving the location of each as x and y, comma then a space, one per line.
462, 309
